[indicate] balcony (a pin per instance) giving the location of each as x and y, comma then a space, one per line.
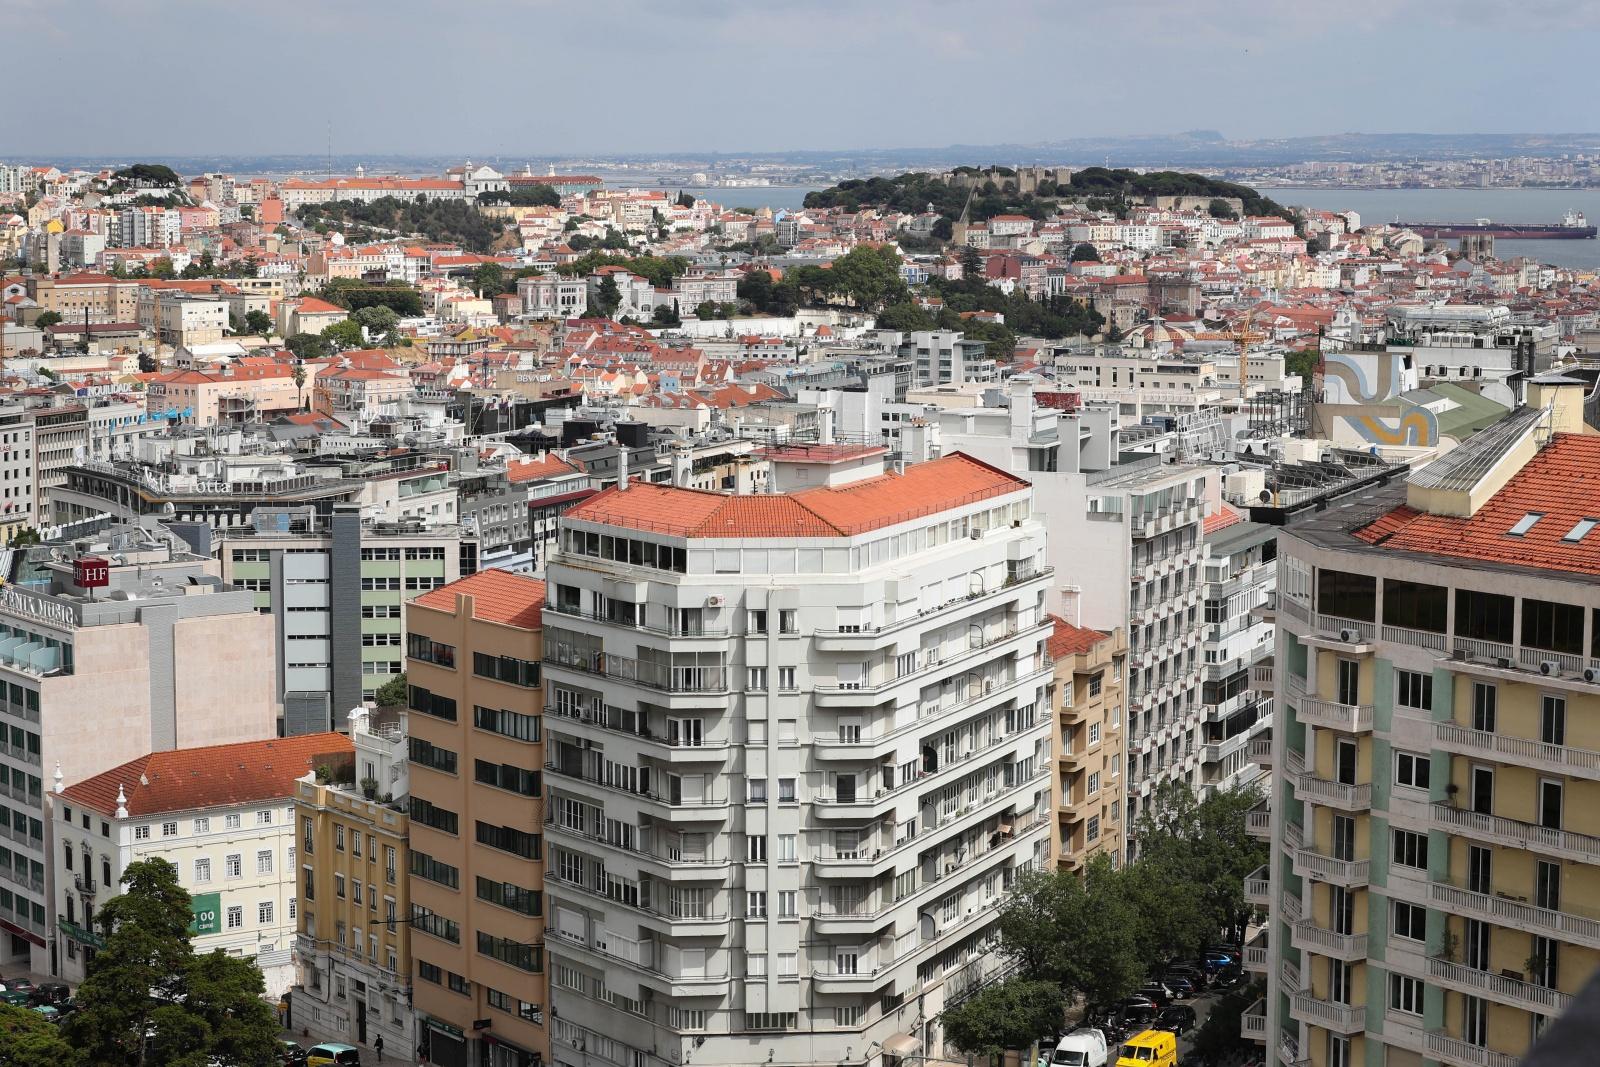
1577, 762
1497, 987
1474, 648
1289, 975
1333, 628
1517, 914
1347, 718
707, 862
692, 630
661, 677
1261, 751
1340, 1018
1307, 936
1351, 874
1518, 834
1258, 887
1256, 954
1289, 1050
1457, 1053
1258, 822
1253, 1023
1420, 638
679, 805
1261, 677
1342, 795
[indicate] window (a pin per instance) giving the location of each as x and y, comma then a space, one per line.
1581, 530
202, 826
428, 755
514, 897
338, 838
169, 829
1410, 921
1094, 782
508, 723
429, 972
786, 794
524, 957
686, 1018
756, 622
1524, 524
264, 913
202, 871
508, 777
141, 833
757, 679
758, 790
1411, 770
338, 886
425, 866
440, 819
1414, 689
755, 905
508, 669
235, 917
786, 621
786, 680
1091, 829
1094, 733
1484, 702
264, 862
264, 818
755, 848
787, 851
1405, 994
421, 647
233, 865
846, 1015
787, 904
1409, 849
1553, 720
1096, 683
509, 839
755, 964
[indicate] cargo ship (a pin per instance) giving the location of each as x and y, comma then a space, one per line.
1572, 227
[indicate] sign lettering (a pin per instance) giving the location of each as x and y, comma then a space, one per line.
41, 608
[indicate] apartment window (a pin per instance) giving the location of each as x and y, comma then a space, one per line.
426, 867
264, 913
757, 679
787, 904
202, 826
786, 791
338, 838
1414, 689
1409, 849
1091, 829
524, 957
1096, 682
755, 964
141, 833
1475, 1027
1553, 720
758, 790
293, 911
1485, 699
233, 865
786, 679
202, 871
1094, 733
264, 818
169, 829
787, 851
338, 886
755, 848
1405, 994
230, 822
787, 623
235, 917
1411, 770
1410, 921
756, 622
755, 905
264, 862
1094, 782
429, 972
508, 723
846, 1015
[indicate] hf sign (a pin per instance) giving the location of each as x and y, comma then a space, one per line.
91, 572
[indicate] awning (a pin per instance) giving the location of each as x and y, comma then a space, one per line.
902, 1045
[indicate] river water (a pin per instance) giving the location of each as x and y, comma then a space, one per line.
1465, 205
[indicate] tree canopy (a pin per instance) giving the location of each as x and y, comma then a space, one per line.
344, 334
308, 346
535, 195
149, 999
28, 1039
148, 174
657, 270
1005, 1016
451, 221
353, 294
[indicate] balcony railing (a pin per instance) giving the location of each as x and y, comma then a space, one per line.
1257, 887
1308, 936
1516, 914
667, 677
1421, 638
1458, 1053
1499, 987
1348, 718
1258, 822
1253, 1023
1518, 834
1334, 627
1341, 795
1475, 648
1340, 1018
1261, 751
1559, 758
1348, 873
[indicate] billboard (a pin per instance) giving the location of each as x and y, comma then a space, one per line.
207, 909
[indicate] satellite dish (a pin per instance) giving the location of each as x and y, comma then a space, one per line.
1266, 496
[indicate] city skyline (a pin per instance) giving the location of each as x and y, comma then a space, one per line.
1066, 75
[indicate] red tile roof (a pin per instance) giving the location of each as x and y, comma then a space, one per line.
209, 777
1561, 482
532, 468
310, 305
1221, 519
1069, 640
870, 504
497, 596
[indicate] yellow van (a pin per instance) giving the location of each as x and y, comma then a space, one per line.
1152, 1048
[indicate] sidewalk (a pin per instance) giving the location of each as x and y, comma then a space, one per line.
404, 1057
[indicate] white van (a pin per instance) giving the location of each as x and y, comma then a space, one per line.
1081, 1048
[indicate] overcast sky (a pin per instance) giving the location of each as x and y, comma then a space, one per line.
542, 78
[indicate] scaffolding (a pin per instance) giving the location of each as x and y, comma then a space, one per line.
1276, 413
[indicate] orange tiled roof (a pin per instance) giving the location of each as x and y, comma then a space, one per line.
1069, 640
497, 596
1562, 482
1221, 519
870, 504
208, 777
531, 468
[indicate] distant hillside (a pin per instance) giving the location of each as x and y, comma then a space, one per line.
1098, 187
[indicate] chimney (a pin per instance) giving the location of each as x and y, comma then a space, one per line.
622, 468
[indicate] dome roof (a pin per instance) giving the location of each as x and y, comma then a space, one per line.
1157, 332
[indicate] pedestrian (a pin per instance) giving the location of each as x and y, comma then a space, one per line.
377, 1046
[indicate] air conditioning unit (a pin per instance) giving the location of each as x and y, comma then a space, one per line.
1459, 654
715, 601
1503, 662
977, 535
1550, 667
1591, 675
1347, 635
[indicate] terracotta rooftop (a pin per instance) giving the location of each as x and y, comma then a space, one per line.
1221, 519
532, 468
497, 596
1069, 640
1561, 484
209, 777
870, 504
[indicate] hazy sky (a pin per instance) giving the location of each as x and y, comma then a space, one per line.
544, 78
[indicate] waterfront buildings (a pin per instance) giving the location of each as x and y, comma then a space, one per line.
798, 748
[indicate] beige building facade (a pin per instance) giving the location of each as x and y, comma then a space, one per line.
1088, 702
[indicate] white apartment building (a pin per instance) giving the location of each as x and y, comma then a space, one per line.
797, 750
550, 296
222, 815
941, 357
1126, 548
1240, 573
147, 227
1139, 382
182, 319
16, 471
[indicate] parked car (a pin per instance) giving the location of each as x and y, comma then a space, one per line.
1156, 993
1182, 985
15, 999
21, 985
1080, 1048
1179, 1019
1195, 973
1215, 960
1135, 1017
291, 1055
1229, 977
333, 1054
50, 993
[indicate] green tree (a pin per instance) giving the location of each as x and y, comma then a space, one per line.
392, 693
1081, 933
536, 195
380, 320
489, 279
1303, 363
308, 346
608, 297
1085, 253
667, 316
1205, 845
47, 318
685, 200
228, 995
867, 276
161, 267
300, 384
905, 317
343, 335
1003, 1017
25, 536
28, 1039
148, 174
1219, 209
258, 322
971, 263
